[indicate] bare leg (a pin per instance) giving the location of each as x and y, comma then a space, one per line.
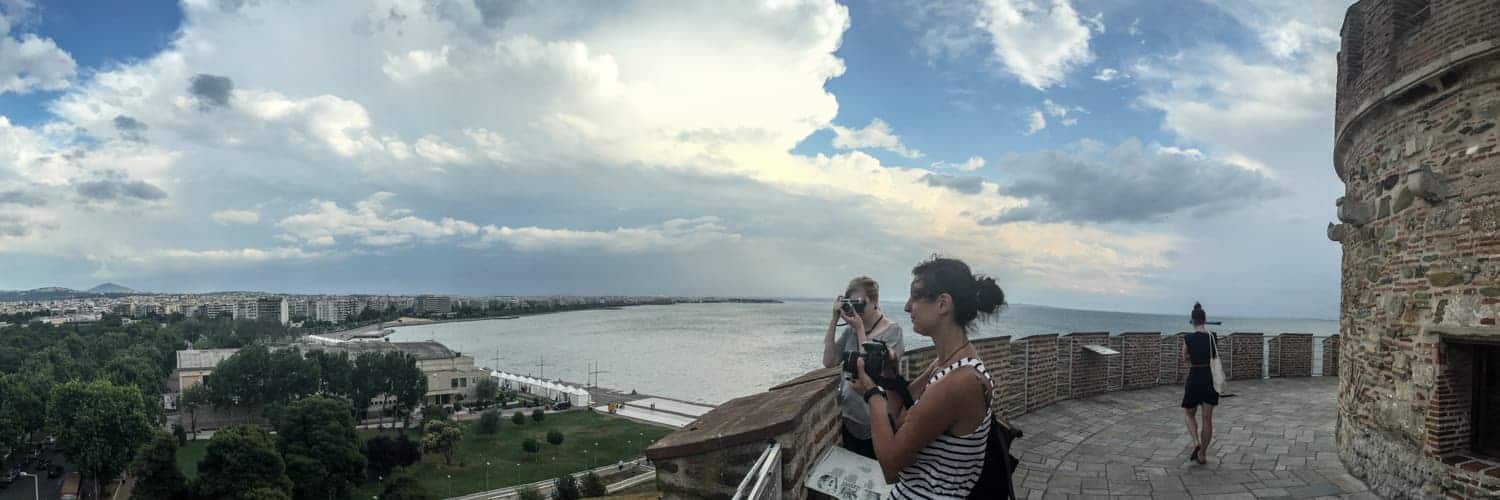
1192, 423
1208, 429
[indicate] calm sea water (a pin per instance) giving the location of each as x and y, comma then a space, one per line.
711, 353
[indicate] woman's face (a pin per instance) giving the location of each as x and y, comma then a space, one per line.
869, 313
925, 311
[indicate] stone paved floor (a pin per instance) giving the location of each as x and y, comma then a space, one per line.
1274, 440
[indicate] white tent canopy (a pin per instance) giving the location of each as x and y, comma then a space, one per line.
577, 396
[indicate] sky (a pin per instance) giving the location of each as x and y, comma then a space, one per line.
1130, 155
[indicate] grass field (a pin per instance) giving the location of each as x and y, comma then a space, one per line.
605, 439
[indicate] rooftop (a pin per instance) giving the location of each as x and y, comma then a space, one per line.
200, 359
1275, 438
422, 350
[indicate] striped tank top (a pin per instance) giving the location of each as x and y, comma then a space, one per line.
950, 465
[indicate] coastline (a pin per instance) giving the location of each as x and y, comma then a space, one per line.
407, 321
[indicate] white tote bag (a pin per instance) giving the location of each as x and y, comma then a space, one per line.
1216, 366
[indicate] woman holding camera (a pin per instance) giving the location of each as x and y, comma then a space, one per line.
938, 450
861, 300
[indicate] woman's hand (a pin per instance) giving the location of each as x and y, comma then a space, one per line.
861, 382
857, 322
838, 307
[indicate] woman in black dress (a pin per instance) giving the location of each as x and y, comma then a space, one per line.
1197, 348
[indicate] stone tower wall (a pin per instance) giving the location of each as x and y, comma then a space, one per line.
1418, 149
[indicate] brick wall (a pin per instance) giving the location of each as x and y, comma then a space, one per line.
1248, 352
1015, 381
1290, 355
1041, 371
1089, 369
1331, 356
1173, 369
1140, 353
1063, 382
1418, 148
1448, 423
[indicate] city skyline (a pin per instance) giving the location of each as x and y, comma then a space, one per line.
1123, 156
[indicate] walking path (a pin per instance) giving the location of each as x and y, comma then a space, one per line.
1274, 440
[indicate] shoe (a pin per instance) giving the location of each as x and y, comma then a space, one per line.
1194, 456
1202, 457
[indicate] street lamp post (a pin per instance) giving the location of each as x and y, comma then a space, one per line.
486, 476
35, 489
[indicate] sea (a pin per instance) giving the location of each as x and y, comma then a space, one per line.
711, 353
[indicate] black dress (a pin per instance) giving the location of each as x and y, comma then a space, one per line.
1199, 389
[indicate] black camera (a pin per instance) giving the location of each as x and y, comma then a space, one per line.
876, 354
852, 306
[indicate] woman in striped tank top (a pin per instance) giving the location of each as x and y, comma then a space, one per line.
936, 449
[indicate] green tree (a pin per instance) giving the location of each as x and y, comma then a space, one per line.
335, 372
155, 470
99, 425
592, 486
180, 434
555, 437
193, 399
486, 390
530, 446
567, 488
441, 436
23, 408
433, 412
384, 453
538, 415
518, 418
263, 493
241, 459
489, 422
135, 371
321, 450
403, 486
406, 383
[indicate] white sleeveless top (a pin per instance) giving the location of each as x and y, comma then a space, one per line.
950, 465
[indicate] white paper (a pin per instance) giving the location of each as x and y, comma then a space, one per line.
846, 475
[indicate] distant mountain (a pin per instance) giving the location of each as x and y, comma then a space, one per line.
111, 288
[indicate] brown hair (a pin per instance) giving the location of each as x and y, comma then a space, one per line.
865, 284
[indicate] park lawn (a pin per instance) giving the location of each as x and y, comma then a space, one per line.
188, 456
606, 439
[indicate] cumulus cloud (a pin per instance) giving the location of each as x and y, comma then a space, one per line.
1107, 74
1131, 182
1035, 122
116, 187
370, 223
961, 184
1037, 41
22, 198
130, 128
227, 217
436, 150
969, 165
877, 135
676, 235
28, 62
211, 90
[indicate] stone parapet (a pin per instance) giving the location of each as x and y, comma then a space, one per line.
1247, 352
711, 456
1290, 355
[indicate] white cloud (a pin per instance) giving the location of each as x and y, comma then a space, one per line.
707, 100
970, 165
1289, 28
228, 217
29, 62
677, 235
1038, 41
1107, 74
1035, 122
434, 149
877, 134
371, 223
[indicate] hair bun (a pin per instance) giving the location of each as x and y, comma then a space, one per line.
989, 294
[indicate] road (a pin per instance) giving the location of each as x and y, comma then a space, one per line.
48, 488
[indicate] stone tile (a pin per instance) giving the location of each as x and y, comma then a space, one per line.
1313, 490
1278, 493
